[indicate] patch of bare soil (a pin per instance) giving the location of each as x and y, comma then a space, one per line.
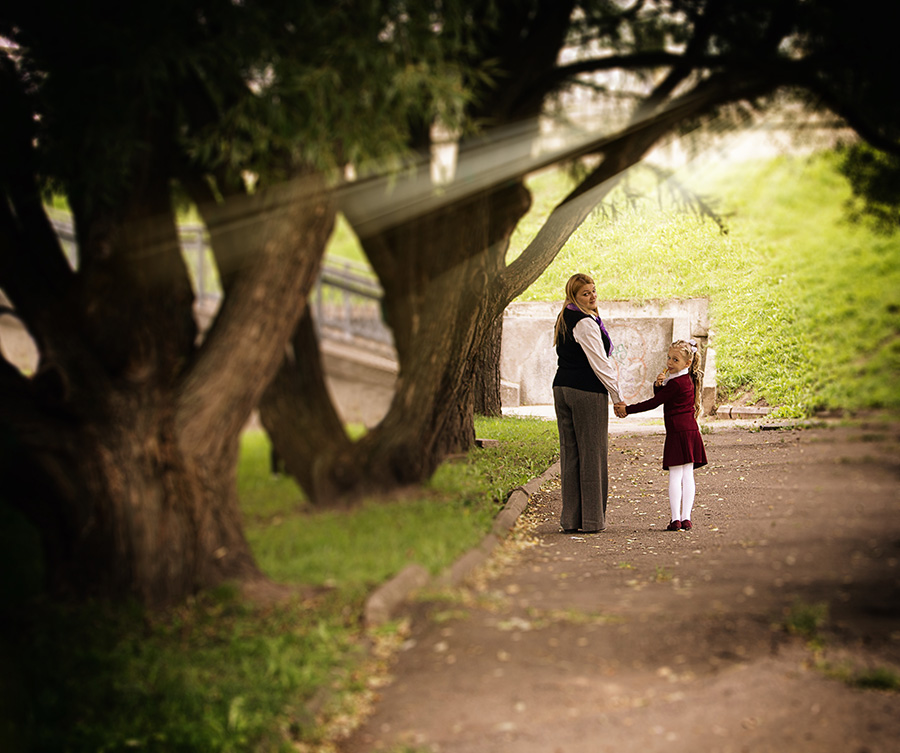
264, 592
744, 634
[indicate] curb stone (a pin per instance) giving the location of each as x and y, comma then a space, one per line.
388, 596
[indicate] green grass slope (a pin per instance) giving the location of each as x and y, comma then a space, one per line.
805, 305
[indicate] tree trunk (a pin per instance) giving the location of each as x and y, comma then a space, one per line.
488, 400
130, 430
124, 509
297, 412
441, 310
446, 285
168, 518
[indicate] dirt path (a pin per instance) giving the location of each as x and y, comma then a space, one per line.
639, 639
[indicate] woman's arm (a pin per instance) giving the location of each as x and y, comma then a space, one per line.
587, 335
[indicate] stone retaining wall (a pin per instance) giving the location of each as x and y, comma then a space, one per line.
641, 334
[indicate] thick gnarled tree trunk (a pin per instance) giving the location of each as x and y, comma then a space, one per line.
161, 521
442, 311
487, 391
297, 412
130, 430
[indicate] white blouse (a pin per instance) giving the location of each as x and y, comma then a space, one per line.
676, 374
587, 335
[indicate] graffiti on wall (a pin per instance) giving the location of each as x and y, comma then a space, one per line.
528, 358
639, 355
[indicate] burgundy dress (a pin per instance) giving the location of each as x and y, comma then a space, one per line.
683, 441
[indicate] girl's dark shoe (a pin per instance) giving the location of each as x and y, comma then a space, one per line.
675, 525
686, 525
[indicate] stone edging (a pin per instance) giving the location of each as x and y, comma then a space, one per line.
741, 411
385, 599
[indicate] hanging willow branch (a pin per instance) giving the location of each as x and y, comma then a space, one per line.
686, 199
669, 192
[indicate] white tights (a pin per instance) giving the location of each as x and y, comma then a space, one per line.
681, 490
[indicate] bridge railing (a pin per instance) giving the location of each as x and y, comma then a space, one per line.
346, 299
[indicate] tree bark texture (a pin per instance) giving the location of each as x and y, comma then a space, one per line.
297, 411
446, 285
443, 270
488, 398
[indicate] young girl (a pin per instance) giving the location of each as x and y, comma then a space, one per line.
677, 389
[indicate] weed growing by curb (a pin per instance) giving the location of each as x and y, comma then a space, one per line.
872, 678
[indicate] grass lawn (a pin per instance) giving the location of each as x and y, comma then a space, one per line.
805, 305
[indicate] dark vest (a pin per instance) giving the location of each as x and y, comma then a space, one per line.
573, 368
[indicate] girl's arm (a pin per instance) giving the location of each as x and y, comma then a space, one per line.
666, 392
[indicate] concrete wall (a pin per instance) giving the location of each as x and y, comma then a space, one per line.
361, 383
641, 335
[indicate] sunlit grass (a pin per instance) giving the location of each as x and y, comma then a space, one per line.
265, 495
296, 544
344, 244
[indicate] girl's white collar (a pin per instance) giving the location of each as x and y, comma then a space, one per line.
676, 374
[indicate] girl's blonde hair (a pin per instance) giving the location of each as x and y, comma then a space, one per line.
576, 282
691, 351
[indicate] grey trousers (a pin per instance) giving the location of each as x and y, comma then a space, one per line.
583, 421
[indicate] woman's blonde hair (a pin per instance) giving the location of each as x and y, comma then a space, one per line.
691, 351
576, 282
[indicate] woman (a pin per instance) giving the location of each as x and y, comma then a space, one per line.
585, 379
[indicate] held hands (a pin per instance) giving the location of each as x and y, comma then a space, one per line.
661, 378
620, 410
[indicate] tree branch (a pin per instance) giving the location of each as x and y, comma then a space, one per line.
622, 151
19, 403
11, 380
690, 199
628, 62
703, 28
278, 237
851, 115
19, 280
694, 57
535, 51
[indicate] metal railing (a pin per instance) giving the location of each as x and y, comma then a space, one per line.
346, 304
346, 299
